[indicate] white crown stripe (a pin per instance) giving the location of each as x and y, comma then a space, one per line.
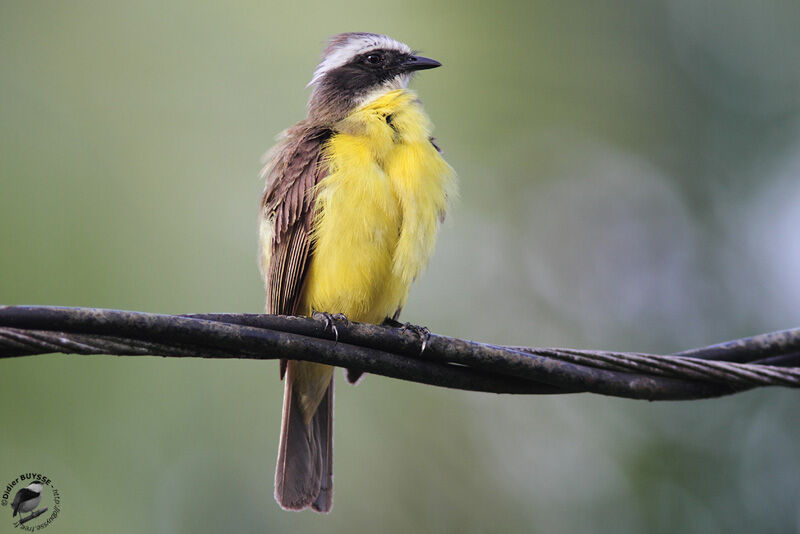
352, 48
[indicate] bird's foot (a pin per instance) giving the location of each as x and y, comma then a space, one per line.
330, 321
422, 333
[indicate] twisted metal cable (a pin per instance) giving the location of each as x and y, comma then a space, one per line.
764, 360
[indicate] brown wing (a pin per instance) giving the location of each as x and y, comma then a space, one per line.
288, 205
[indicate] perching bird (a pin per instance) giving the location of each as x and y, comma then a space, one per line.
353, 199
27, 499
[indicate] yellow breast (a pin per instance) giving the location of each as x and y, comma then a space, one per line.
377, 210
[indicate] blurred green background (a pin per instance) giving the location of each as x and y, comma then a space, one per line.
630, 179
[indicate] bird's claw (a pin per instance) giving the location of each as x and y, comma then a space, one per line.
422, 332
330, 321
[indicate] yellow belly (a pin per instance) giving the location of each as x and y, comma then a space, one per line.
377, 211
375, 220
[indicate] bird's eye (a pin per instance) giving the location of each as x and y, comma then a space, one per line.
374, 59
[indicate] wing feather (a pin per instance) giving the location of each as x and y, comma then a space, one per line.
287, 205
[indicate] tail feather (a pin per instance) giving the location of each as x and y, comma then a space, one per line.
304, 474
324, 500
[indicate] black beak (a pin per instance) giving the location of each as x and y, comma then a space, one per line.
413, 63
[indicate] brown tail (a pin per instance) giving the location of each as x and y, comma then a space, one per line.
304, 474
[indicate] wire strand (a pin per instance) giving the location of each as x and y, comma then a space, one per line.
764, 360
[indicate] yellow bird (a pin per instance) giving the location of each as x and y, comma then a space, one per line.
349, 215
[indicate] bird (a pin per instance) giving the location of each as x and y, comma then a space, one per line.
27, 498
354, 195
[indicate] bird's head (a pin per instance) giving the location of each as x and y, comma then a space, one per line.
36, 486
355, 66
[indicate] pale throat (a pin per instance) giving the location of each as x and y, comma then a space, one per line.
398, 82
